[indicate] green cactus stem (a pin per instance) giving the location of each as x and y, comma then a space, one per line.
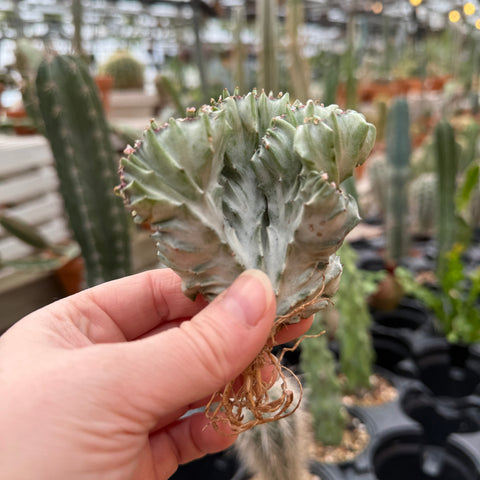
323, 388
79, 136
447, 158
27, 61
267, 30
251, 182
356, 349
398, 160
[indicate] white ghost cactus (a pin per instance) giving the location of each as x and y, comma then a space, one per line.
251, 182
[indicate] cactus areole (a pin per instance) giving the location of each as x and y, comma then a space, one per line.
251, 182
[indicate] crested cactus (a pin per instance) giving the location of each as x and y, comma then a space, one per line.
79, 136
398, 159
27, 60
125, 69
251, 182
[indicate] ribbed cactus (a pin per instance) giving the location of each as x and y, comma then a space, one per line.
239, 52
250, 182
398, 159
267, 30
356, 349
298, 67
447, 157
323, 388
423, 204
125, 69
79, 136
27, 60
277, 450
377, 173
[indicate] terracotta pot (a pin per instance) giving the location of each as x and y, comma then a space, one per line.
105, 85
18, 116
71, 276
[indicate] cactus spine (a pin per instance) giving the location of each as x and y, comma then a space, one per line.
398, 157
79, 136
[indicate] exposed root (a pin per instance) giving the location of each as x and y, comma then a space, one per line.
245, 406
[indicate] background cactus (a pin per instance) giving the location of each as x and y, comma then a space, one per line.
298, 67
27, 61
355, 343
323, 388
239, 50
447, 157
79, 136
267, 30
125, 69
398, 160
277, 450
423, 201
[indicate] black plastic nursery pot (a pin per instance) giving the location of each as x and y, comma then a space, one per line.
409, 314
448, 370
407, 455
217, 466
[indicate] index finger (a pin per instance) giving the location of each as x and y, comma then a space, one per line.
142, 302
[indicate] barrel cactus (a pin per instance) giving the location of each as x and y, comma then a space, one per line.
251, 182
125, 69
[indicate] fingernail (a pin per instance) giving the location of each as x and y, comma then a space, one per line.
249, 297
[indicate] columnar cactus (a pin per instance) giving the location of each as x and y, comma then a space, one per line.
298, 67
447, 157
125, 69
267, 30
79, 136
323, 388
423, 195
251, 182
356, 348
398, 158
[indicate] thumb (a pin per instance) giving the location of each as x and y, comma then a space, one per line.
189, 362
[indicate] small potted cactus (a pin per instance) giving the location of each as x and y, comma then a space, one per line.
125, 69
251, 181
127, 98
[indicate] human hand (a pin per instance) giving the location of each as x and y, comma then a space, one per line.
95, 385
